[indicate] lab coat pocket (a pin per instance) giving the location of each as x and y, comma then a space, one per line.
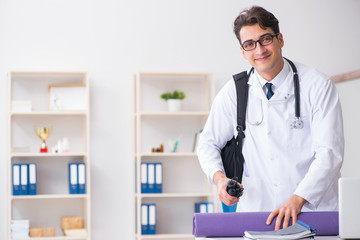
251, 199
299, 138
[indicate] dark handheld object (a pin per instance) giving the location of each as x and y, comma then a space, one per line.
233, 188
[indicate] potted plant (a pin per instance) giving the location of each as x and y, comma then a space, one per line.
173, 99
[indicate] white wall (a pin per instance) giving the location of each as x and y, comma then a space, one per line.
113, 39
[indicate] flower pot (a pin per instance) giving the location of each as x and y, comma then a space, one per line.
174, 105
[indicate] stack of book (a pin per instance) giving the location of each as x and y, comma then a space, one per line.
20, 228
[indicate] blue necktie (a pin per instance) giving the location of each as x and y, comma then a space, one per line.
270, 92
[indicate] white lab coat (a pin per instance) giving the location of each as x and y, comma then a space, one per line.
280, 160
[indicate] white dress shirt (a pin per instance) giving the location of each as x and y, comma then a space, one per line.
279, 160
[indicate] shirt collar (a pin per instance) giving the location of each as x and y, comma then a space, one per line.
278, 79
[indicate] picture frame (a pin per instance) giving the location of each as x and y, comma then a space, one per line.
71, 97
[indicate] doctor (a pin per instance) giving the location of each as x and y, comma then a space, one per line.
288, 168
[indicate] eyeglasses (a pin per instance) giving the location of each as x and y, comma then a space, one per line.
264, 40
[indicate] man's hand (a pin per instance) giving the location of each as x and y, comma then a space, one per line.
291, 208
221, 182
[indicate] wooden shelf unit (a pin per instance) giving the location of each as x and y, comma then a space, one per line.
184, 183
52, 200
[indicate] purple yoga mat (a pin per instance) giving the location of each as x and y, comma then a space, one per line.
235, 224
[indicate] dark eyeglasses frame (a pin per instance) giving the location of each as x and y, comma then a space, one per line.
259, 41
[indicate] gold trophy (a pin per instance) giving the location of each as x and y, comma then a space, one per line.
43, 134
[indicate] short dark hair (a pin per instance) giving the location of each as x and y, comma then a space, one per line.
255, 15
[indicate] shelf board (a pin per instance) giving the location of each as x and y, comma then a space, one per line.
49, 196
37, 155
167, 154
50, 113
167, 236
173, 195
173, 114
162, 74
51, 238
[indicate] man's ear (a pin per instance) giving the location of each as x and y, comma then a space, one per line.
281, 39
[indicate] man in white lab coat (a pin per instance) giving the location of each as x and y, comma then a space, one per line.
287, 169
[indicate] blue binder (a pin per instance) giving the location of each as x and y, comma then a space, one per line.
73, 178
201, 207
158, 177
144, 177
210, 207
16, 179
151, 177
81, 178
24, 179
32, 178
152, 219
144, 218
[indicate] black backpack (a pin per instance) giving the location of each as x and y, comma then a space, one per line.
231, 154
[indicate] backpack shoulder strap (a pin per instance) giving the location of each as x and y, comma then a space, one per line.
241, 82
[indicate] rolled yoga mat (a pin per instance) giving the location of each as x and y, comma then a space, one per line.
235, 224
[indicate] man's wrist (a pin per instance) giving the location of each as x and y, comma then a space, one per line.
218, 176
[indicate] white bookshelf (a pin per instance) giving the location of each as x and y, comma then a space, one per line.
52, 200
184, 183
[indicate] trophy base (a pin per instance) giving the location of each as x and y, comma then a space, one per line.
43, 150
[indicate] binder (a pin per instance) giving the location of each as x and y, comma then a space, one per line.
81, 178
73, 178
144, 219
151, 177
204, 207
24, 179
152, 219
144, 178
32, 178
158, 177
16, 179
200, 207
210, 207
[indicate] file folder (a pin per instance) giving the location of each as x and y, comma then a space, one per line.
210, 207
32, 178
151, 177
24, 179
144, 218
152, 219
73, 178
81, 178
204, 207
144, 177
158, 178
16, 179
200, 207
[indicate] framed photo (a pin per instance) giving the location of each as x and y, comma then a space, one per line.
67, 97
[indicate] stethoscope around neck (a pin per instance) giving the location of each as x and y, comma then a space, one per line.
297, 123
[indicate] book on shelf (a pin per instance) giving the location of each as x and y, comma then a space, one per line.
299, 230
20, 228
196, 140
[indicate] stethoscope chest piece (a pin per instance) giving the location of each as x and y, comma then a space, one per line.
297, 124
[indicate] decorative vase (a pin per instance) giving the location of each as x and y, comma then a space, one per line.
174, 105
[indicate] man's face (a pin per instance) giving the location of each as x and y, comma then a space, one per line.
267, 60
